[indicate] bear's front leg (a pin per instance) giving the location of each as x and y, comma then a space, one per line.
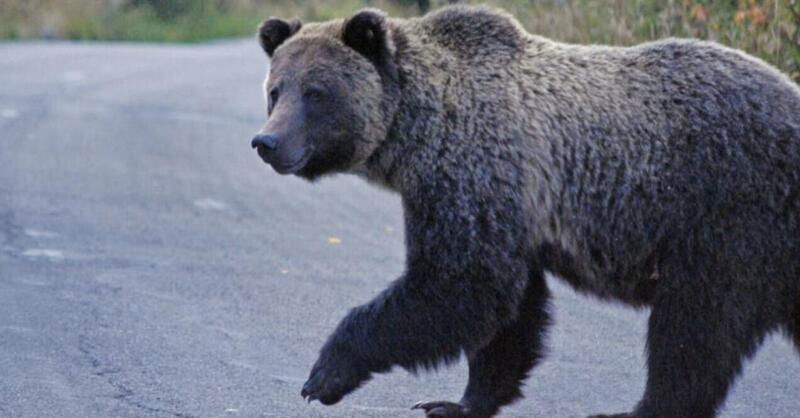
466, 275
413, 324
497, 370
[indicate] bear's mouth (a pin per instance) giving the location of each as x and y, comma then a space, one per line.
292, 168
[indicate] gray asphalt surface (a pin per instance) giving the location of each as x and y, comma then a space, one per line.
152, 265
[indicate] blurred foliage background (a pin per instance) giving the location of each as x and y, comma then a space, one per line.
767, 28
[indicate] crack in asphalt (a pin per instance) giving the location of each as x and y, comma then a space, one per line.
125, 394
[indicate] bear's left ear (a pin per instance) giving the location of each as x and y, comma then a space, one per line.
274, 31
367, 32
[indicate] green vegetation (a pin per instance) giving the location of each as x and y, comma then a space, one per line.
767, 28
163, 20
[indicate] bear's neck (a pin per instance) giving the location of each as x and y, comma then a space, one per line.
435, 107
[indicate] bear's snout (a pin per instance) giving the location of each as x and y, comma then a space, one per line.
284, 153
270, 142
265, 144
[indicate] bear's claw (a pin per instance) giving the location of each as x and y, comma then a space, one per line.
321, 386
441, 409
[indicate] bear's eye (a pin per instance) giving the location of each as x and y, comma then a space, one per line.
273, 98
314, 93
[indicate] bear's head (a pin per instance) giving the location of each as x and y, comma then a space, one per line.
328, 93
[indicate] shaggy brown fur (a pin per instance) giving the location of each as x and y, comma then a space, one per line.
664, 175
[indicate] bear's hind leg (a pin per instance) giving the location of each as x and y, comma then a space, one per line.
497, 370
699, 333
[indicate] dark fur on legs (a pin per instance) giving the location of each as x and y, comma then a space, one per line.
696, 344
456, 295
498, 370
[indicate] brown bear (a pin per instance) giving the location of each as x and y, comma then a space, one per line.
664, 175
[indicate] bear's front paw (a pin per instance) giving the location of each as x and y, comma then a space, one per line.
333, 376
442, 409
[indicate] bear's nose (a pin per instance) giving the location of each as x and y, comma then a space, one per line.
265, 140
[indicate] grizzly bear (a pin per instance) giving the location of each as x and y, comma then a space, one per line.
664, 175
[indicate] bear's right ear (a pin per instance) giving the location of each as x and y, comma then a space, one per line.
274, 31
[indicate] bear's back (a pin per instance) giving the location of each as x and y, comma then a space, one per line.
475, 31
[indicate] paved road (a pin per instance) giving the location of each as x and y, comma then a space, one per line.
151, 265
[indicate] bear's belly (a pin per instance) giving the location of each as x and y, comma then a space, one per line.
633, 286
